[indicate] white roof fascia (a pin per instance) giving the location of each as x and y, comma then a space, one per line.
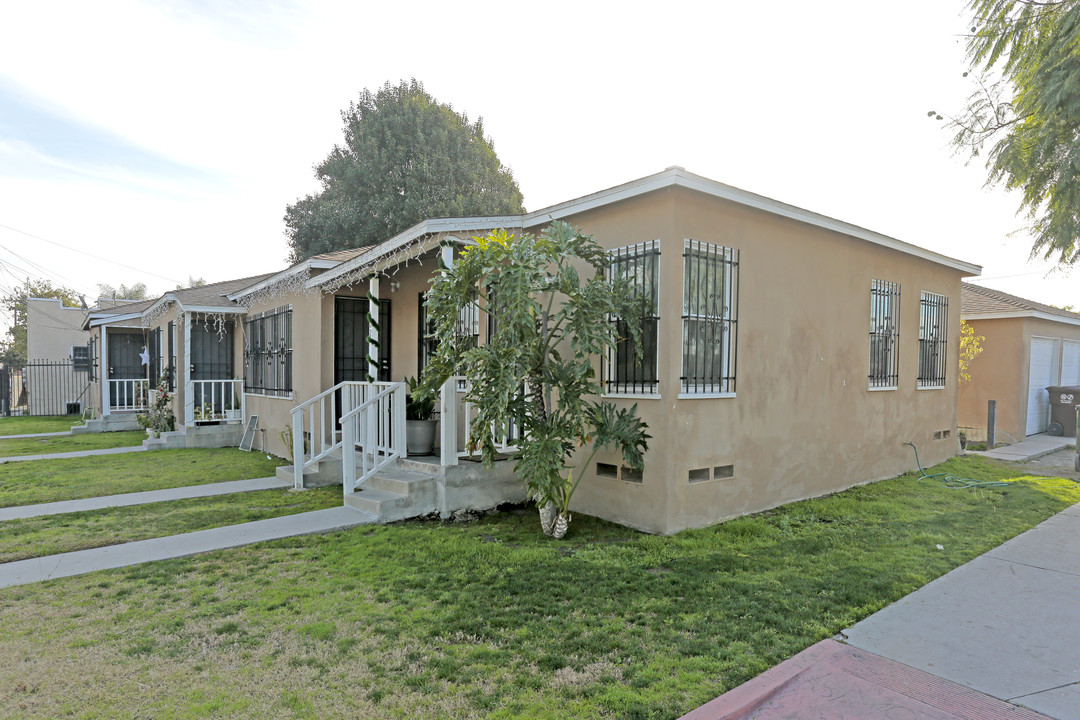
1038, 315
426, 227
213, 309
678, 177
163, 300
309, 264
95, 322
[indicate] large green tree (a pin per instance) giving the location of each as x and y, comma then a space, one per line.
1026, 56
13, 347
405, 157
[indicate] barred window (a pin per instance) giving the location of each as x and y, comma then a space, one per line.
268, 353
884, 333
640, 265
710, 316
80, 358
933, 339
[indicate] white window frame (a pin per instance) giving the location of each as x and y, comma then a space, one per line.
729, 341
643, 390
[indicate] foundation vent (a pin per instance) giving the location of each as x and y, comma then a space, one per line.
719, 472
618, 472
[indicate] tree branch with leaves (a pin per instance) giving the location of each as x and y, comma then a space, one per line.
552, 306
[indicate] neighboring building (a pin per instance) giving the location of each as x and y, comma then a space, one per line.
789, 355
1028, 347
57, 351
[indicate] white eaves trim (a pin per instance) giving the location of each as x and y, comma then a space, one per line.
309, 264
1038, 315
678, 177
96, 322
426, 227
671, 177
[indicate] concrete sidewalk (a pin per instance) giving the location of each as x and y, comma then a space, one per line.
996, 638
35, 435
22, 572
1029, 448
143, 498
74, 454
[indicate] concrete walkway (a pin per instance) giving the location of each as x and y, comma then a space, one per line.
74, 454
35, 435
143, 498
22, 572
996, 638
1031, 447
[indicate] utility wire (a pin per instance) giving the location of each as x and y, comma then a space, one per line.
96, 257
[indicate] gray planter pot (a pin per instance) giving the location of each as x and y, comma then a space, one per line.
420, 437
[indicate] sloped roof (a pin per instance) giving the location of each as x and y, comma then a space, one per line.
671, 177
301, 270
214, 294
977, 301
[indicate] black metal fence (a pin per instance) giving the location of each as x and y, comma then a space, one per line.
55, 387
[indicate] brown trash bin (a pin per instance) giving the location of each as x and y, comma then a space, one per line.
1063, 402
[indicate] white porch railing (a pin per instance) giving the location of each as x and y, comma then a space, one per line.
128, 393
451, 403
216, 400
315, 432
374, 430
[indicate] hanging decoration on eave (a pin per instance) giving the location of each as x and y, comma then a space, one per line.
398, 258
288, 285
150, 317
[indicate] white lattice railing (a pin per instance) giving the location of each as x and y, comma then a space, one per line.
128, 393
217, 400
375, 430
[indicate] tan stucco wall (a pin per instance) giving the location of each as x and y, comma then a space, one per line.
1001, 372
803, 422
52, 328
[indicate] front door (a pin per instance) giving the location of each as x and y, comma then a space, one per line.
351, 340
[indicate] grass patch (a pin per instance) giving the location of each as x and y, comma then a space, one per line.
25, 424
36, 537
39, 481
491, 619
70, 443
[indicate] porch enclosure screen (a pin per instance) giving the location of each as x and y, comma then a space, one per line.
624, 373
884, 334
212, 359
153, 347
351, 340
933, 339
467, 328
710, 317
171, 357
268, 353
126, 372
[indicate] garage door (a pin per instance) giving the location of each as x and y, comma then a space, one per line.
1070, 363
1043, 356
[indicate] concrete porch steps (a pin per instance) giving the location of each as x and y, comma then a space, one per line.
394, 493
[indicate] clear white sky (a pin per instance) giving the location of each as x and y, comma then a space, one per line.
169, 136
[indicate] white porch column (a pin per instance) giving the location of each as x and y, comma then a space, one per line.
373, 329
104, 374
189, 386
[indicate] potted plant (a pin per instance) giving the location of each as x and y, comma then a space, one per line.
419, 420
232, 410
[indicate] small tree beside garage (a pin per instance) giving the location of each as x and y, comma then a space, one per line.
551, 305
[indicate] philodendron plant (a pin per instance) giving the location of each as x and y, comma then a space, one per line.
550, 303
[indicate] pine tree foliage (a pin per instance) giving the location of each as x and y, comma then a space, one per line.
405, 158
1027, 108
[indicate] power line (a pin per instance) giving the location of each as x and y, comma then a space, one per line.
96, 257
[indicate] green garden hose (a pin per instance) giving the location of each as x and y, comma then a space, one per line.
951, 481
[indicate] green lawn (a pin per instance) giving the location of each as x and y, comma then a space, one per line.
36, 537
491, 619
70, 443
37, 481
25, 424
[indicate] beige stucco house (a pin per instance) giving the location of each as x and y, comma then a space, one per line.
56, 373
1027, 347
789, 355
